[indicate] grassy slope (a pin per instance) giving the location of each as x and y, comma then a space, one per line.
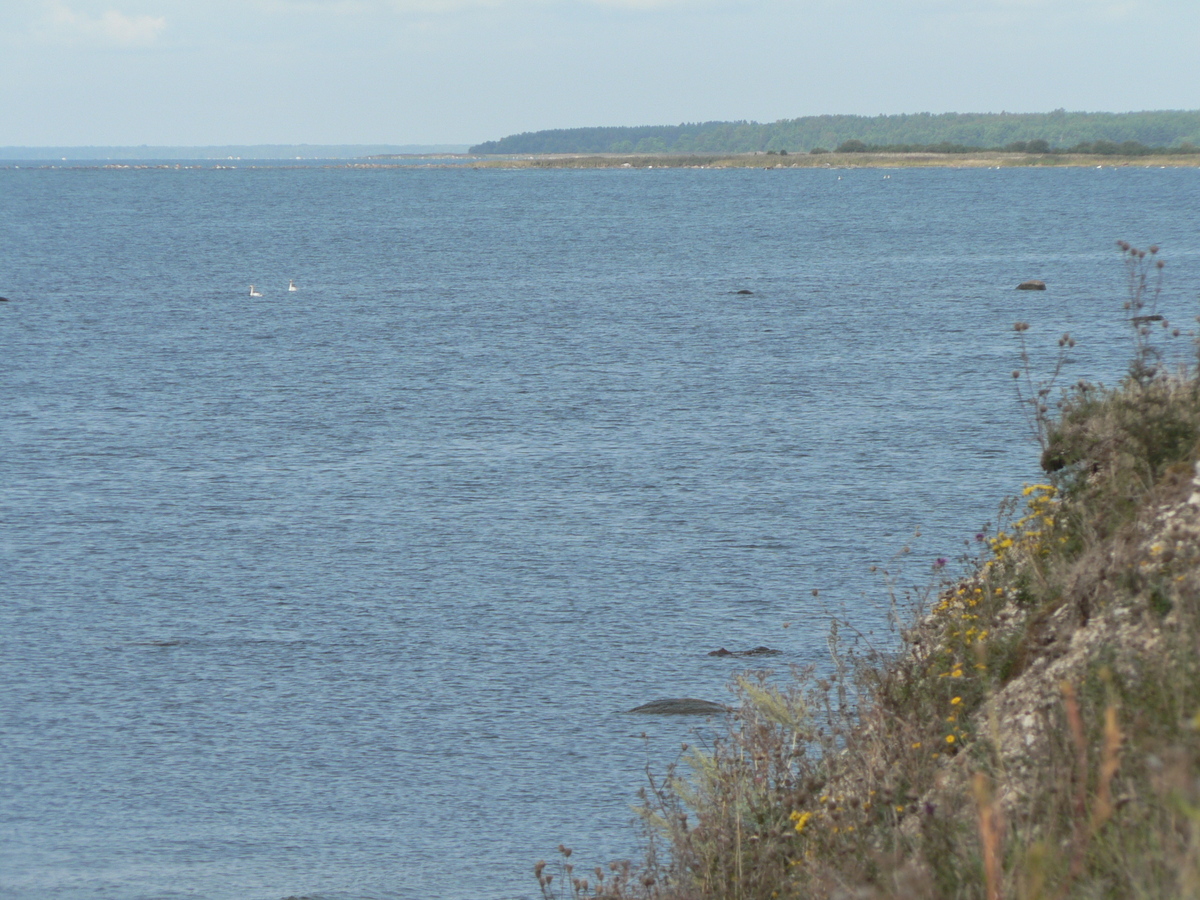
1037, 735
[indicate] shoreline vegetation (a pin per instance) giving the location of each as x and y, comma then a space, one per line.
840, 160
1054, 131
1034, 733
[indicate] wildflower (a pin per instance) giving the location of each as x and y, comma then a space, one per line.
956, 701
801, 819
950, 739
940, 563
917, 745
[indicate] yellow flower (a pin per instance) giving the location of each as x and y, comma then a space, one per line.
801, 819
956, 701
950, 739
917, 745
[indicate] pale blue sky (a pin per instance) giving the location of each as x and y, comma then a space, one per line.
76, 72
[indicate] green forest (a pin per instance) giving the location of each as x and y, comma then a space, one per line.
945, 132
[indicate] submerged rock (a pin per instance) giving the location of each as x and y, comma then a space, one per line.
683, 706
1032, 285
757, 651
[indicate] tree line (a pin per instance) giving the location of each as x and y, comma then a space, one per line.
1129, 133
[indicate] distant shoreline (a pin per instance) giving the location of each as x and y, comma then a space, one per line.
981, 160
832, 160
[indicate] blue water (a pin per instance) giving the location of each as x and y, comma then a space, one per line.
342, 592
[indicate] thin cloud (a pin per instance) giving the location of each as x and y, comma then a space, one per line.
112, 28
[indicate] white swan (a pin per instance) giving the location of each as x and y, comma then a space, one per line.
292, 285
254, 293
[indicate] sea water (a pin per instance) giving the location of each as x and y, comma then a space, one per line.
344, 592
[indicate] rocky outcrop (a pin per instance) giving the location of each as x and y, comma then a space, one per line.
1122, 610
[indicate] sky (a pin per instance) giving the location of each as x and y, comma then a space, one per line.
205, 72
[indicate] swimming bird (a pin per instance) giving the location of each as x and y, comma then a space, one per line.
254, 293
292, 285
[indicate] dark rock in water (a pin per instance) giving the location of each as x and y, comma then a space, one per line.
684, 706
744, 291
757, 651
762, 651
3, 299
1145, 320
1031, 286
